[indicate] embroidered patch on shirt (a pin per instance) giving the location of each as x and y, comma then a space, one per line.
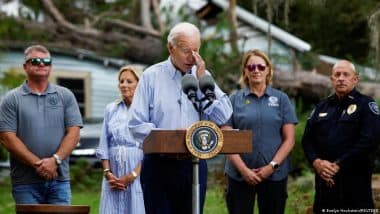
273, 101
374, 108
53, 100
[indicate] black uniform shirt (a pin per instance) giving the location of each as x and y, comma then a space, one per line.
342, 131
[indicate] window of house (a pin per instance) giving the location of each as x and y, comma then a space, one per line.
77, 87
80, 84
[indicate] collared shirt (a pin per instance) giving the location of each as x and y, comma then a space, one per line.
123, 153
39, 121
115, 132
159, 102
265, 116
342, 131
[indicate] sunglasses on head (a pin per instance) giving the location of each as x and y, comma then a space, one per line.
252, 67
37, 61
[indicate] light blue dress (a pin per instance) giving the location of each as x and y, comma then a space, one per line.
124, 154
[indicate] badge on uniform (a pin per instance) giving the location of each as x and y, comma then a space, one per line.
374, 108
273, 101
324, 114
351, 109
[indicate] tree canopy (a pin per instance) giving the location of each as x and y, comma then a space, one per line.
333, 27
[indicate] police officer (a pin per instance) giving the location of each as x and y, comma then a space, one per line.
338, 141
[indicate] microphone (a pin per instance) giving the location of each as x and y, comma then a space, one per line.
207, 86
190, 86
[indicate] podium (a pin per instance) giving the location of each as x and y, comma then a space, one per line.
52, 208
174, 142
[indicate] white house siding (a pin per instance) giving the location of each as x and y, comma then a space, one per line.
250, 38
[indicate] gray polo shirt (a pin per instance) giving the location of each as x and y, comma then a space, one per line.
265, 116
40, 121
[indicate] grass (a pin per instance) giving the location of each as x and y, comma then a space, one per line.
86, 191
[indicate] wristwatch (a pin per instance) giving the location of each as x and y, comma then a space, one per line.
274, 165
106, 171
134, 174
58, 160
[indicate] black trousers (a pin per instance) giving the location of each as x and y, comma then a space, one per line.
352, 190
167, 184
271, 196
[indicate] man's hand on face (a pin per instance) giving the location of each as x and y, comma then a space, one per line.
201, 66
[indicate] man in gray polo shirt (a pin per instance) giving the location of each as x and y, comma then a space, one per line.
39, 126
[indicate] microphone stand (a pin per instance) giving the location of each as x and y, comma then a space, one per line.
195, 162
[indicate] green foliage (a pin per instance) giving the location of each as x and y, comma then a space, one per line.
308, 60
11, 79
299, 161
14, 30
84, 177
215, 202
115, 50
220, 62
335, 28
89, 198
300, 192
7, 204
332, 27
3, 153
33, 5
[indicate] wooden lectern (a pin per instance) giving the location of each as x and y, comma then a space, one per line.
173, 141
52, 208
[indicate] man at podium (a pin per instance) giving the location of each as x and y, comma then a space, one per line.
160, 103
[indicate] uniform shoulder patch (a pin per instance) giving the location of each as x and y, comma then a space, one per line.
374, 108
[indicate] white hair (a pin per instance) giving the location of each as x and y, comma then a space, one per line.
345, 61
37, 48
182, 29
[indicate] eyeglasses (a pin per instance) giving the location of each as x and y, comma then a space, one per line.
37, 61
185, 50
252, 67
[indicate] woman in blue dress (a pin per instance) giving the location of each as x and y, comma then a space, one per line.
120, 154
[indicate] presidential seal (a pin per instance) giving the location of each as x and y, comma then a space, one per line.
204, 139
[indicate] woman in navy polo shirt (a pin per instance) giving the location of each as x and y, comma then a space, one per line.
269, 114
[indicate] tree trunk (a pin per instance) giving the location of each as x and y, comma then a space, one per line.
234, 25
145, 14
374, 23
269, 11
311, 85
286, 13
145, 48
